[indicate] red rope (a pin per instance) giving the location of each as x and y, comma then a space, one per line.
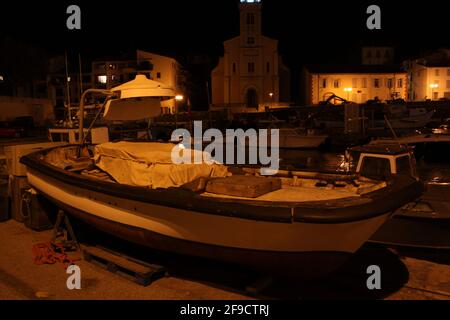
50, 253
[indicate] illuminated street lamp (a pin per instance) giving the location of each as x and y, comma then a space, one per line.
271, 99
433, 86
348, 90
178, 98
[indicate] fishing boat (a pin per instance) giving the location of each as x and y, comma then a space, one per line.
425, 222
290, 222
293, 223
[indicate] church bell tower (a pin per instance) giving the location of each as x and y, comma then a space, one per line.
250, 21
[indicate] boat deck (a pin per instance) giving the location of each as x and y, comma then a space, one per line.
295, 186
309, 192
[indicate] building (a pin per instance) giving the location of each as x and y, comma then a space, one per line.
41, 110
107, 73
355, 83
110, 73
430, 76
251, 75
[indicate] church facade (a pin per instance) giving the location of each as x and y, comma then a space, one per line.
251, 75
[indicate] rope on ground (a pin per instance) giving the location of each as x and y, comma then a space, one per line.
51, 253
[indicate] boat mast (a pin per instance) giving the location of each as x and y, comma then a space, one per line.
81, 75
69, 112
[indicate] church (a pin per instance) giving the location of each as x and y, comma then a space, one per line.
251, 75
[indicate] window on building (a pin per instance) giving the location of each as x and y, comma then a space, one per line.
387, 54
369, 54
448, 84
448, 72
250, 18
336, 83
234, 67
251, 67
250, 40
378, 54
436, 72
324, 83
376, 83
158, 75
267, 67
354, 83
399, 83
364, 83
114, 77
435, 95
102, 79
389, 83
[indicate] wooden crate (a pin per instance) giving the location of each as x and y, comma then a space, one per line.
243, 186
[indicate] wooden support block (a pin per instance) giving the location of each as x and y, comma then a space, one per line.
138, 271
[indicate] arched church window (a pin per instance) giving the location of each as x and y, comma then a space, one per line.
267, 67
234, 67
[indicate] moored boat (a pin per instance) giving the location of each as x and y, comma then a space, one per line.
425, 223
293, 223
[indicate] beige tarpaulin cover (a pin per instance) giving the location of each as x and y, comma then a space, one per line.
149, 164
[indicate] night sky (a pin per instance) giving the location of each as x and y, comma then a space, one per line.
312, 32
315, 32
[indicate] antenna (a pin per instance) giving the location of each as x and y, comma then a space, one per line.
392, 130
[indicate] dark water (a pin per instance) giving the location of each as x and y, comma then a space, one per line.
312, 160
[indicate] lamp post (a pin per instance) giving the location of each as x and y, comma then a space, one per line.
433, 86
271, 99
178, 98
348, 90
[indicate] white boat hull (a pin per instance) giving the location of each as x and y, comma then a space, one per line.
222, 237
